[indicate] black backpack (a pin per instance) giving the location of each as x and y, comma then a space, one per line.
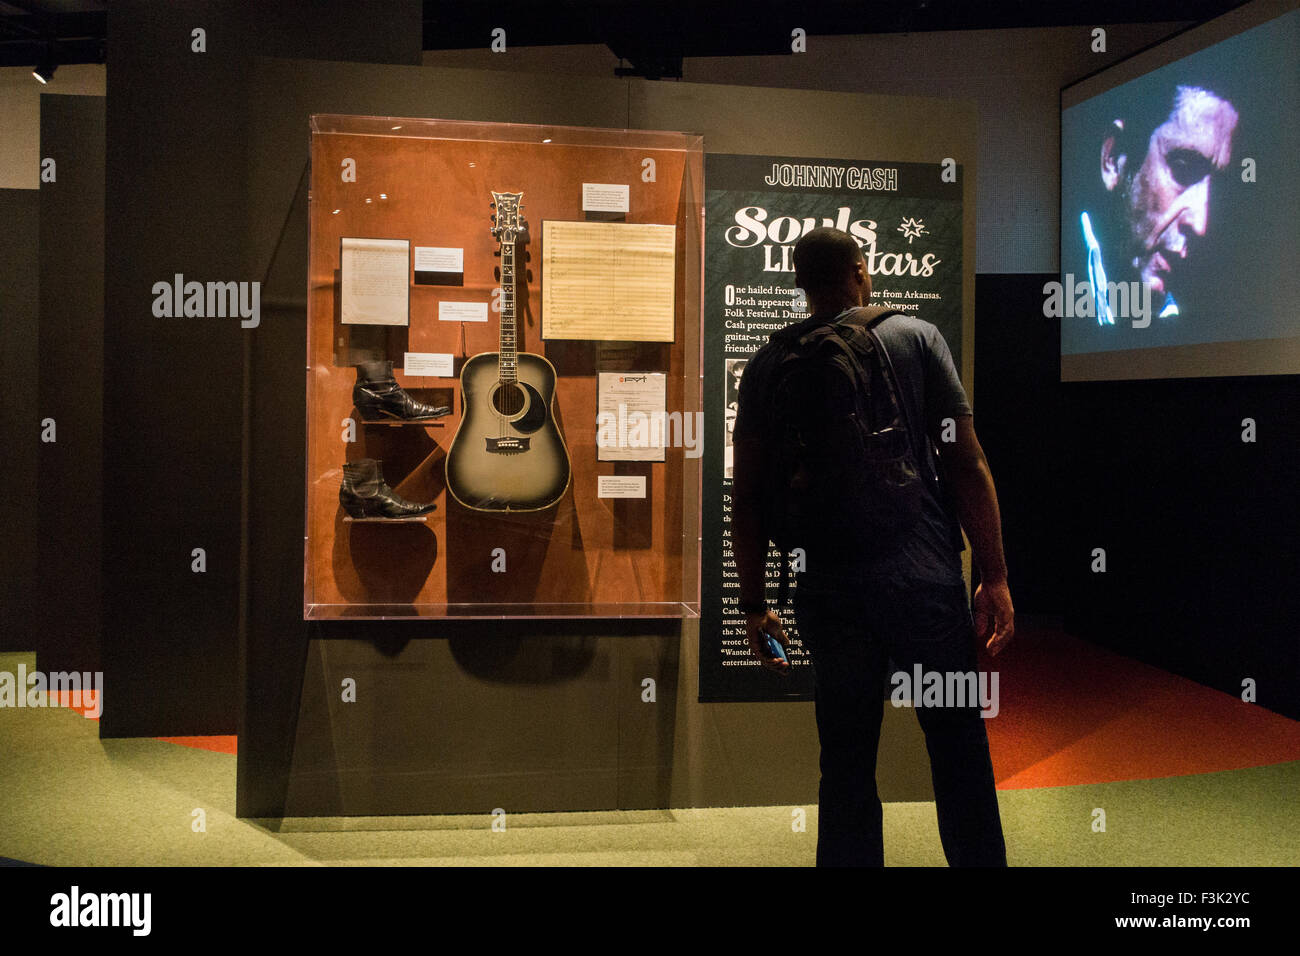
842, 481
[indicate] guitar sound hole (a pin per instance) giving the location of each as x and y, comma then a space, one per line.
509, 399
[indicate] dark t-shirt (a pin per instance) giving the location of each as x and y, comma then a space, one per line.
931, 392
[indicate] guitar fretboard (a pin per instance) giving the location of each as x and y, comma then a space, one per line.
509, 350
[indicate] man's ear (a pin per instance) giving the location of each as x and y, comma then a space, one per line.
1112, 163
866, 278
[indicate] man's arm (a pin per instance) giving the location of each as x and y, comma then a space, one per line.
749, 543
966, 471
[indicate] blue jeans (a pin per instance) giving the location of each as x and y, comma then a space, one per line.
852, 627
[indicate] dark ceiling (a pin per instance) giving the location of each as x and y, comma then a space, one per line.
77, 27
652, 37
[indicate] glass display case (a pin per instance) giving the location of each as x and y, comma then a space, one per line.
503, 374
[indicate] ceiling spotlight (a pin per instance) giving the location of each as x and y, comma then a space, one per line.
44, 71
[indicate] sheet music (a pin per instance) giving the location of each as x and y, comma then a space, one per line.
608, 281
376, 281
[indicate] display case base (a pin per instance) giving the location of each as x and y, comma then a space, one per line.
389, 612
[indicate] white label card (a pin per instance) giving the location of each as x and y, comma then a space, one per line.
462, 312
439, 259
620, 486
429, 364
605, 197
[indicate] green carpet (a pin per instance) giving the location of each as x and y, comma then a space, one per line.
70, 799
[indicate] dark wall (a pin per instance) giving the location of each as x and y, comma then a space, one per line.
19, 413
1018, 419
173, 393
1012, 76
71, 375
1198, 527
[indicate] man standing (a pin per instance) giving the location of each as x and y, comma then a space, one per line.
1155, 178
907, 603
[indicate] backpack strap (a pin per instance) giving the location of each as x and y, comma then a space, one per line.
865, 316
865, 320
893, 377
862, 322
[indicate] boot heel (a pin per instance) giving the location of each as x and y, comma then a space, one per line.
374, 413
358, 507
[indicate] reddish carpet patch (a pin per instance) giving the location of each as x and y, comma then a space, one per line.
225, 744
222, 744
1073, 713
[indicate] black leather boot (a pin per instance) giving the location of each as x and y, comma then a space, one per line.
364, 494
378, 397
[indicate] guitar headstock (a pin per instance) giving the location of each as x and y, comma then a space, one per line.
508, 220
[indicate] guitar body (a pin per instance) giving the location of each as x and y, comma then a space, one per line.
508, 453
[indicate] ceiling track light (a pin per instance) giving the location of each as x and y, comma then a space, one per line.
44, 71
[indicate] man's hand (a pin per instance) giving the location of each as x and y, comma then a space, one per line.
756, 626
994, 614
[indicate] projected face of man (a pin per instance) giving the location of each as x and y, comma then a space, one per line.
1167, 199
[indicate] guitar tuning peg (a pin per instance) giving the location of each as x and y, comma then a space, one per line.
492, 205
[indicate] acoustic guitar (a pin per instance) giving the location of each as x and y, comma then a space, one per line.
508, 453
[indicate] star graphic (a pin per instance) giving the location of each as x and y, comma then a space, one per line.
912, 228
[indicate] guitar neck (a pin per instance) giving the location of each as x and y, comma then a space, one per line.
509, 349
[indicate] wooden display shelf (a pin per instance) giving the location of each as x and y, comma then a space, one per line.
418, 519
426, 423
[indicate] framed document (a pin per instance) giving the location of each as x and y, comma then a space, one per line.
632, 422
375, 276
608, 281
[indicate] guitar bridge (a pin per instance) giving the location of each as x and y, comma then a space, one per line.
506, 446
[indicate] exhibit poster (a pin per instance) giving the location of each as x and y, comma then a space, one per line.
907, 217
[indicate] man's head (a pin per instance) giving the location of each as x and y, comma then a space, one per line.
1160, 179
829, 267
